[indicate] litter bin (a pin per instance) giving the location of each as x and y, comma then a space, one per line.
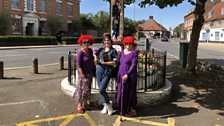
183, 54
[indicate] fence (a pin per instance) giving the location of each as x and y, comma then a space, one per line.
151, 71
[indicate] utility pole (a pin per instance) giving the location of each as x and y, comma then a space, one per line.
117, 19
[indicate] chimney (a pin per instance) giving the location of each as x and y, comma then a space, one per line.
150, 17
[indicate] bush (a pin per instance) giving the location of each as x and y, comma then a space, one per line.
27, 40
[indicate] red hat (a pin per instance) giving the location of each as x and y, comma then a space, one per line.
85, 37
129, 39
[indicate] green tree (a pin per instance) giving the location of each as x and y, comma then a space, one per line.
177, 30
75, 26
197, 24
102, 21
54, 24
4, 22
129, 27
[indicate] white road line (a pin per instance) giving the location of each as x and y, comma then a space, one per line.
14, 68
58, 52
167, 53
13, 55
22, 102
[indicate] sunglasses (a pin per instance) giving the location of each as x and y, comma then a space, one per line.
128, 43
85, 42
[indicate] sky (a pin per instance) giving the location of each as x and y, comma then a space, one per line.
168, 17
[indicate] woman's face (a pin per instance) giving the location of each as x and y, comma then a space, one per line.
107, 42
85, 44
129, 46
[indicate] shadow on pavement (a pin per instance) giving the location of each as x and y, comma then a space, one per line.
204, 89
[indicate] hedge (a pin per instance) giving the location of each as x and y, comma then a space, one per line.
38, 40
27, 40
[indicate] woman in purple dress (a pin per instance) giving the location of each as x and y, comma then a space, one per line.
127, 78
86, 67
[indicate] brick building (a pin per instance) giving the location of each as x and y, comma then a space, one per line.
29, 17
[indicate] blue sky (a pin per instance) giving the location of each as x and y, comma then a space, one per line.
168, 17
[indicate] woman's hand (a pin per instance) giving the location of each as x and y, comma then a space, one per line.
125, 77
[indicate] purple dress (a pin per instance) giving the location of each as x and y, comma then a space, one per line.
128, 65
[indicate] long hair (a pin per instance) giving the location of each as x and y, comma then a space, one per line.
107, 35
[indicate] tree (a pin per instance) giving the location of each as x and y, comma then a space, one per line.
129, 27
177, 30
102, 21
86, 22
54, 24
4, 22
75, 26
197, 24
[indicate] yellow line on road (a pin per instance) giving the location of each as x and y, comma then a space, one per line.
68, 119
171, 121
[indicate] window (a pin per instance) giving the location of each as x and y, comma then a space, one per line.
16, 26
30, 5
15, 4
58, 8
204, 36
222, 11
210, 14
69, 9
221, 35
49, 6
216, 35
42, 27
42, 5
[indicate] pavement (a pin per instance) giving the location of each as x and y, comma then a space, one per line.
37, 99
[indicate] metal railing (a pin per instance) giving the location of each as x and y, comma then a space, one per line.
151, 71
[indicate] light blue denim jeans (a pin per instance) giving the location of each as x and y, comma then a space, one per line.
103, 78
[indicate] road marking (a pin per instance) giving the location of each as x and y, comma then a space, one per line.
167, 53
14, 68
58, 52
15, 55
171, 121
67, 120
23, 102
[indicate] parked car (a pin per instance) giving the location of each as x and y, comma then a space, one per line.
165, 38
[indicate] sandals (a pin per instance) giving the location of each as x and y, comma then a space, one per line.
88, 107
131, 113
80, 110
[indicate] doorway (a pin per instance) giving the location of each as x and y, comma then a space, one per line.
30, 29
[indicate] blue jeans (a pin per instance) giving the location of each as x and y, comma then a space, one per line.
103, 79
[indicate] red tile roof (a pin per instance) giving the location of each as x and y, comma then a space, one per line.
151, 25
216, 10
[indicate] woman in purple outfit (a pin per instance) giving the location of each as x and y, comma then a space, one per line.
127, 78
86, 67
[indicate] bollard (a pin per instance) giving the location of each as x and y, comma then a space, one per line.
35, 65
61, 63
1, 70
69, 68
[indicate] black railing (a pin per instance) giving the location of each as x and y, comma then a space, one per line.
151, 70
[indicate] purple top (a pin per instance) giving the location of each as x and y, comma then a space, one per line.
86, 62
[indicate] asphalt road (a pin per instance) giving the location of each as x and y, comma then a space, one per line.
172, 48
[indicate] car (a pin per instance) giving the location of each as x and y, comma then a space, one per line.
165, 38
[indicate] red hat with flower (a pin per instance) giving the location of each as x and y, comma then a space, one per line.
85, 38
129, 39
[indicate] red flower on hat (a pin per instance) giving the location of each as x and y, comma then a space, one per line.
129, 39
85, 37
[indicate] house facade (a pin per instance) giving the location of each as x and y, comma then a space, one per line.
29, 17
151, 28
213, 28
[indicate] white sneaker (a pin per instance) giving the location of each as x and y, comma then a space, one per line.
105, 108
110, 108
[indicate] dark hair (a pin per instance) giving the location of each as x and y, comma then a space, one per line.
107, 35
